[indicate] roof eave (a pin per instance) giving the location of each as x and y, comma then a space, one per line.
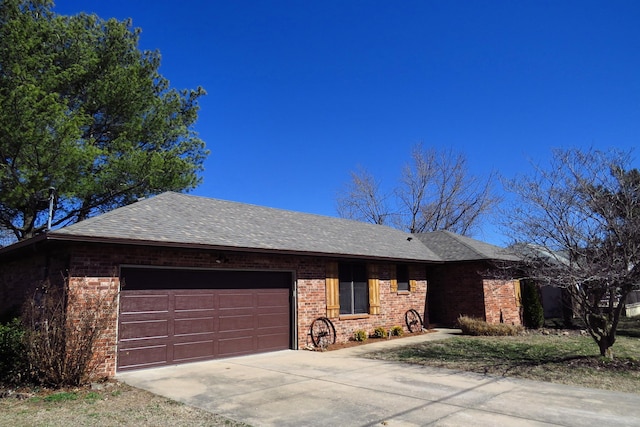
184, 245
23, 244
481, 260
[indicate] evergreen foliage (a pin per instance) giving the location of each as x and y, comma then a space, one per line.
85, 111
12, 351
532, 311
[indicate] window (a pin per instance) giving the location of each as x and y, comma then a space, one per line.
354, 288
402, 276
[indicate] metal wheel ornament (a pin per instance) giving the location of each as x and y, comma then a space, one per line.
323, 333
414, 321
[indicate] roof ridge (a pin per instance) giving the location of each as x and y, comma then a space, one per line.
461, 239
291, 211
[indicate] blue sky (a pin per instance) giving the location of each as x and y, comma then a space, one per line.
300, 93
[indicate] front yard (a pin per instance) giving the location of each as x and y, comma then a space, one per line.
105, 404
559, 356
565, 357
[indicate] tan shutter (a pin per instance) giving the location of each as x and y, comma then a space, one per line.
374, 289
333, 290
412, 285
517, 288
394, 279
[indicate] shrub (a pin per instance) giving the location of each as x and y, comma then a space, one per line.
472, 326
379, 332
360, 335
532, 311
12, 352
397, 331
60, 340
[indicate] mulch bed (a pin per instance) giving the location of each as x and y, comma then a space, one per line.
371, 340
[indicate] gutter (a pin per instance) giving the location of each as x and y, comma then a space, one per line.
24, 243
52, 236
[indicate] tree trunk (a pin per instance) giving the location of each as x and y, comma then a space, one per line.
605, 347
605, 343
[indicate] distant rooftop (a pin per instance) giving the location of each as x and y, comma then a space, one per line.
454, 247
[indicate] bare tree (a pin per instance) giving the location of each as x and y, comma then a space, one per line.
362, 199
436, 192
414, 185
577, 225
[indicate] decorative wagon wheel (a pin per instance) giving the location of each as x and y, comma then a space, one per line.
414, 321
323, 332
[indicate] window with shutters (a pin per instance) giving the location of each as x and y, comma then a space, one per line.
354, 288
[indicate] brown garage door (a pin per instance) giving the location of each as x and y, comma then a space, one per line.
176, 316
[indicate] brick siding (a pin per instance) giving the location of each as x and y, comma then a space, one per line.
393, 306
95, 268
454, 290
22, 275
95, 300
461, 289
500, 302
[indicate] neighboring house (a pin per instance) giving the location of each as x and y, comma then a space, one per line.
467, 283
556, 302
632, 307
198, 278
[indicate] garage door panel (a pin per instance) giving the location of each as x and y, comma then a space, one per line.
271, 319
274, 341
143, 329
193, 350
143, 357
272, 332
143, 303
240, 311
194, 315
236, 301
164, 326
194, 326
272, 299
236, 323
194, 302
236, 346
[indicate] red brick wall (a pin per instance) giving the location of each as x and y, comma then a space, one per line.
23, 273
393, 305
461, 289
454, 290
95, 300
93, 272
99, 264
500, 301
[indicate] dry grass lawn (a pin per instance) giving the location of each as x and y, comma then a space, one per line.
114, 404
559, 356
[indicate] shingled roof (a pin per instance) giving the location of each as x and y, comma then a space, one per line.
454, 247
180, 220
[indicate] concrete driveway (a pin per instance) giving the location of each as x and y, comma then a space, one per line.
339, 388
